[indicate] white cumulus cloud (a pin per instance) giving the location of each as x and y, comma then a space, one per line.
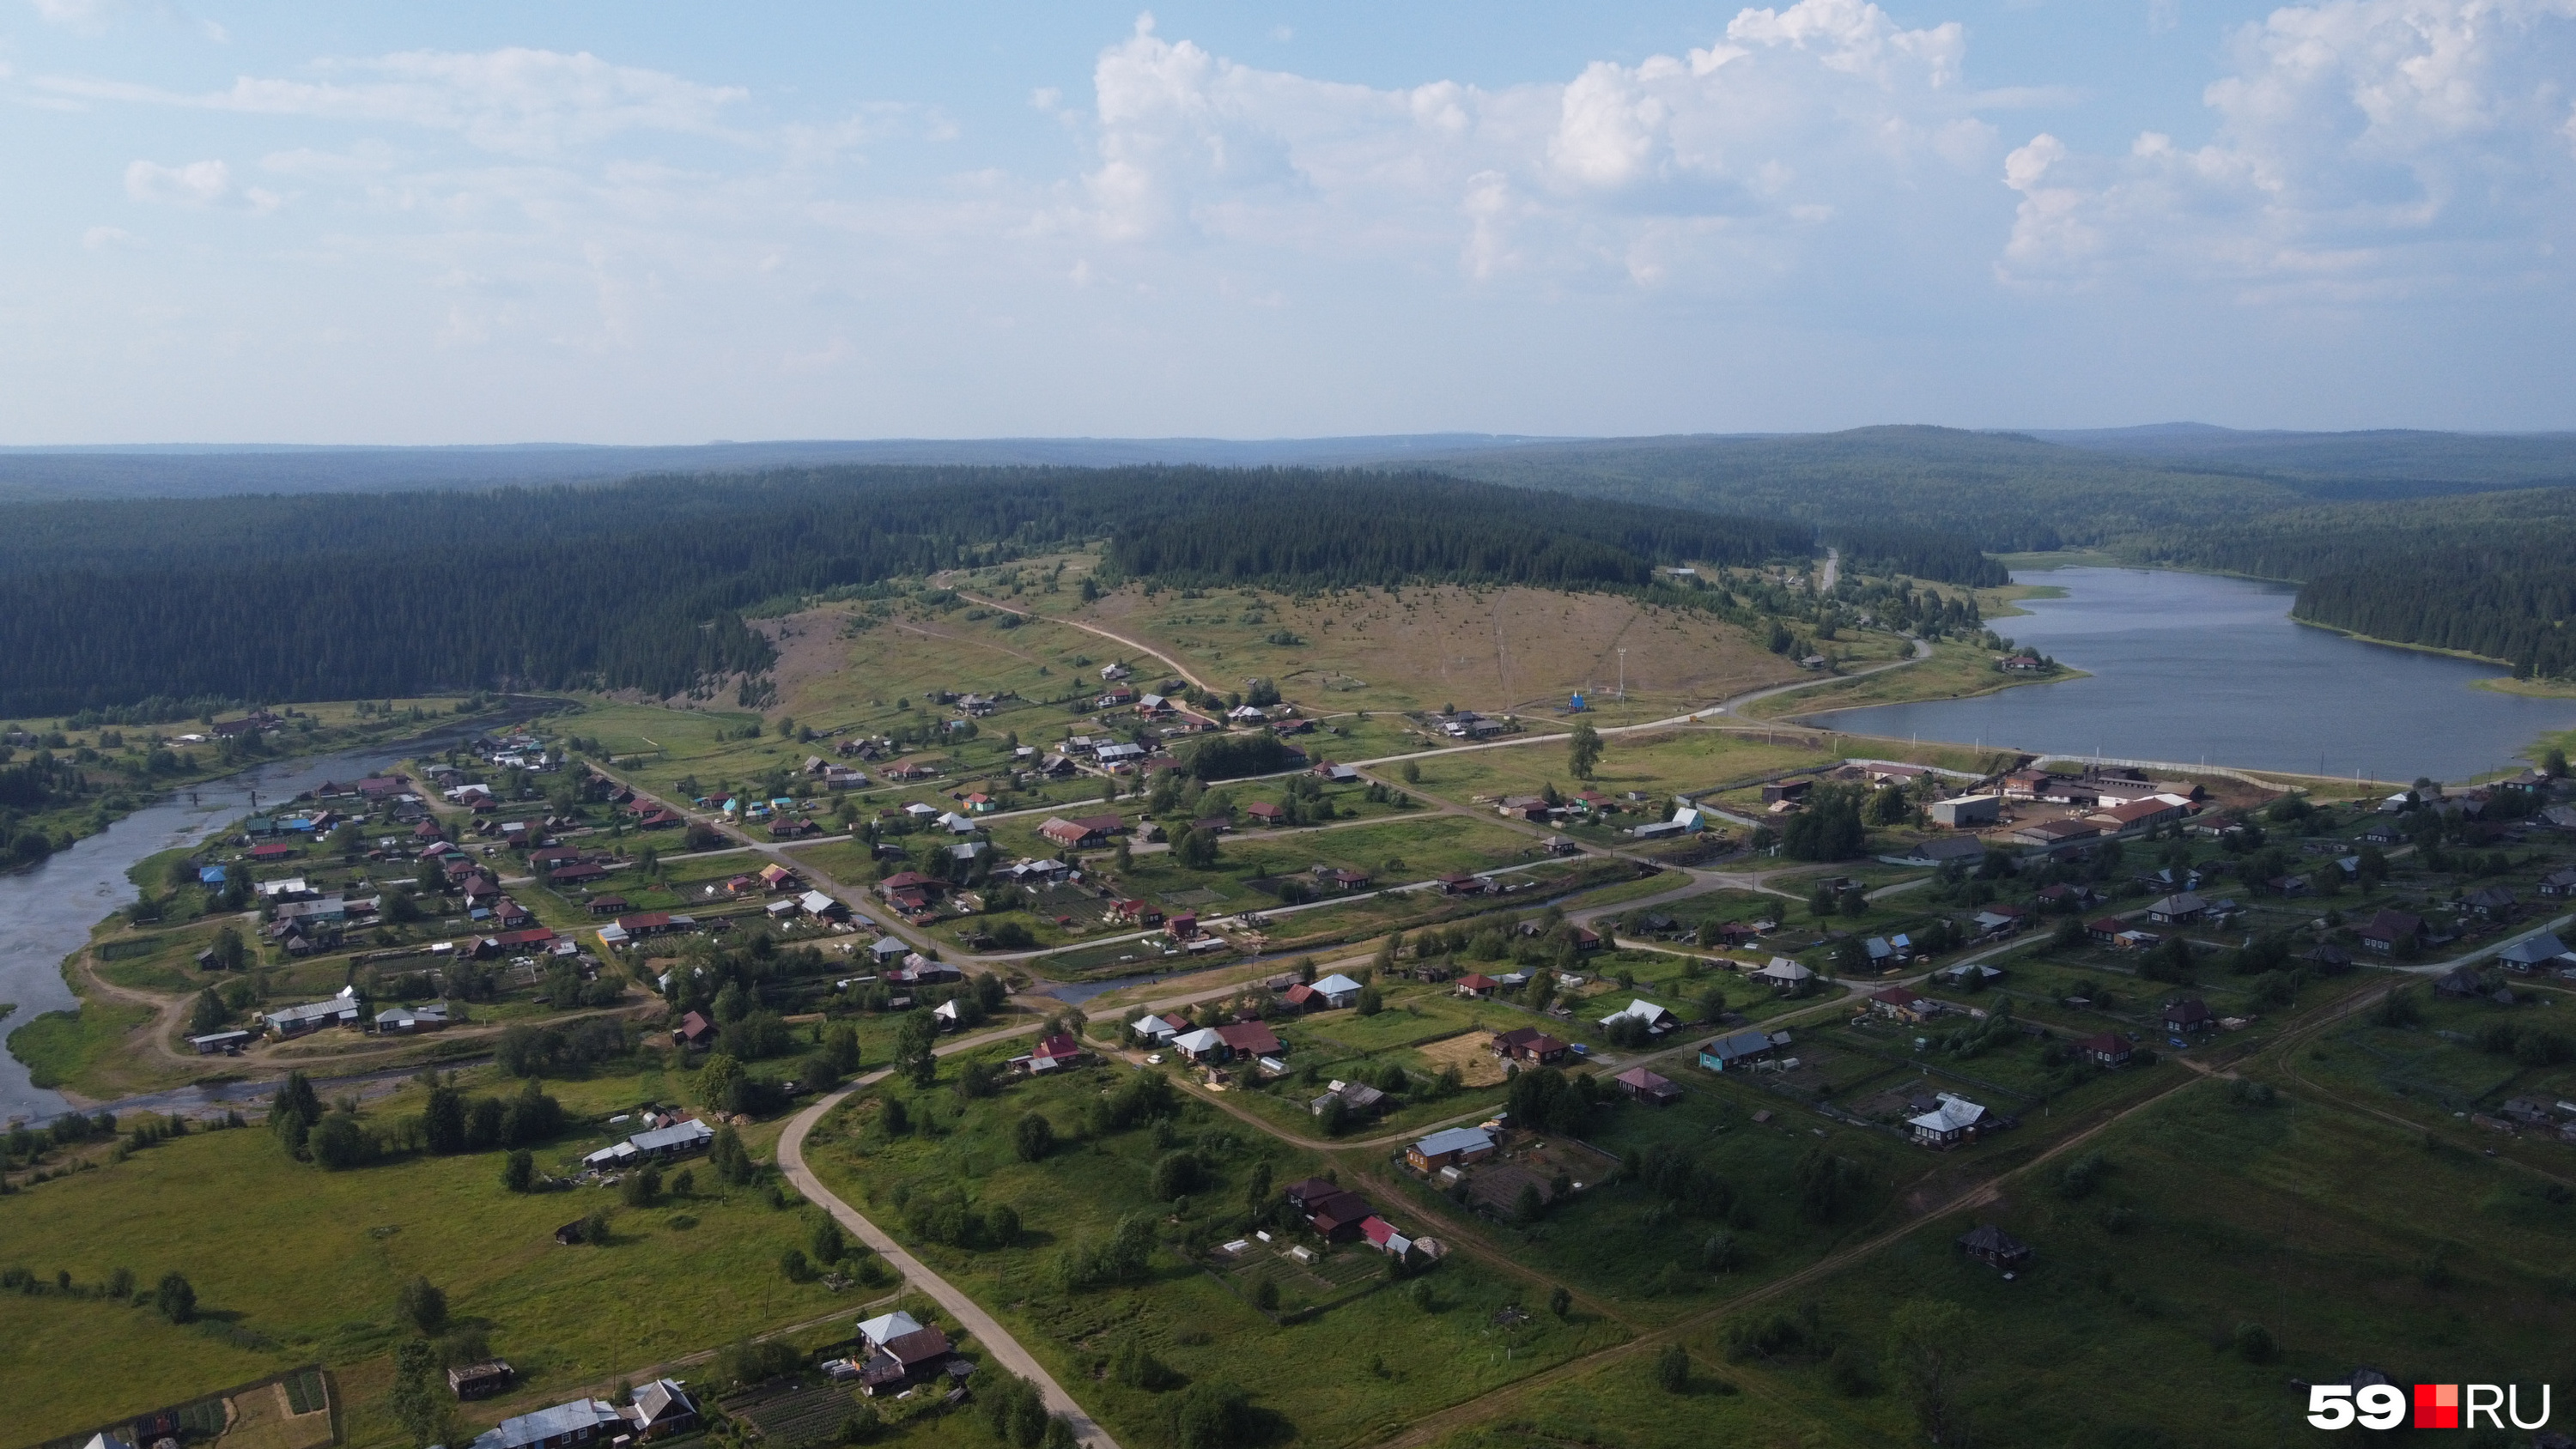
2361, 146
1821, 110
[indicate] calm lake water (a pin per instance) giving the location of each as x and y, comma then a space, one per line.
46, 914
2191, 668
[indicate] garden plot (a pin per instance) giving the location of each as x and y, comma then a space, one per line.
1307, 1280
794, 1414
1476, 1063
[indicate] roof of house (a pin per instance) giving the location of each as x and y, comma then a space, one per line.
1342, 1206
1954, 1114
1992, 1240
1337, 985
2190, 1008
678, 1134
1250, 1036
576, 1417
919, 1346
1897, 996
2183, 904
2394, 923
1743, 1043
888, 1326
2106, 1043
1454, 1139
1640, 1009
1645, 1081
662, 1399
2533, 949
1781, 968
1198, 1041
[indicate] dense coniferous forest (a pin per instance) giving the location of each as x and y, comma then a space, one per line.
1342, 529
1920, 553
2492, 574
2008, 492
643, 585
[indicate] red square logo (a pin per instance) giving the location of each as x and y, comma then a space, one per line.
2437, 1406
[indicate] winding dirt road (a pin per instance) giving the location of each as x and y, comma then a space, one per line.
971, 1317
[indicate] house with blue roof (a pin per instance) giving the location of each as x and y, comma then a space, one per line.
582, 1421
1452, 1147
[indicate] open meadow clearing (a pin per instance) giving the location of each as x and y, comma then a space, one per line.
2153, 1250
1356, 1355
293, 1264
1429, 648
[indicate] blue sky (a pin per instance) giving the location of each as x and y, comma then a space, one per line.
664, 223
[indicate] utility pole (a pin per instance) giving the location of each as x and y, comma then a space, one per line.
1623, 675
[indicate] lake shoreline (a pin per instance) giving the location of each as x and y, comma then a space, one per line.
2179, 664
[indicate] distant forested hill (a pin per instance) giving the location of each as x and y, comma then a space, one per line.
644, 584
2004, 491
2492, 574
2381, 464
29, 475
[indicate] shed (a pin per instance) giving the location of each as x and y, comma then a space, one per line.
1994, 1247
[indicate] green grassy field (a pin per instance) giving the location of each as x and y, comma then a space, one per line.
155, 960
299, 1264
1658, 765
1357, 1370
1645, 1255
70, 1048
1956, 670
2320, 1226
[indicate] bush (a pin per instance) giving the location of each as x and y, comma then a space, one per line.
1851, 1373
1132, 1364
421, 1304
2254, 1344
594, 1228
641, 1188
797, 1267
829, 1243
519, 1170
747, 1363
2081, 1176
1672, 1369
1210, 1415
1034, 1137
176, 1300
1176, 1174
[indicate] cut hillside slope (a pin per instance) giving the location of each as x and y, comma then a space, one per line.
1486, 649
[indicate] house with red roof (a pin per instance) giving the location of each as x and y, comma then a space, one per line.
1251, 1039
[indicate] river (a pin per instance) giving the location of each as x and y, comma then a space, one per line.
46, 914
2193, 668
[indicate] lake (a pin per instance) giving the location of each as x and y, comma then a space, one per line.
2191, 668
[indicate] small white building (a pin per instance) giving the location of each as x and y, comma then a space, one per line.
1338, 991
